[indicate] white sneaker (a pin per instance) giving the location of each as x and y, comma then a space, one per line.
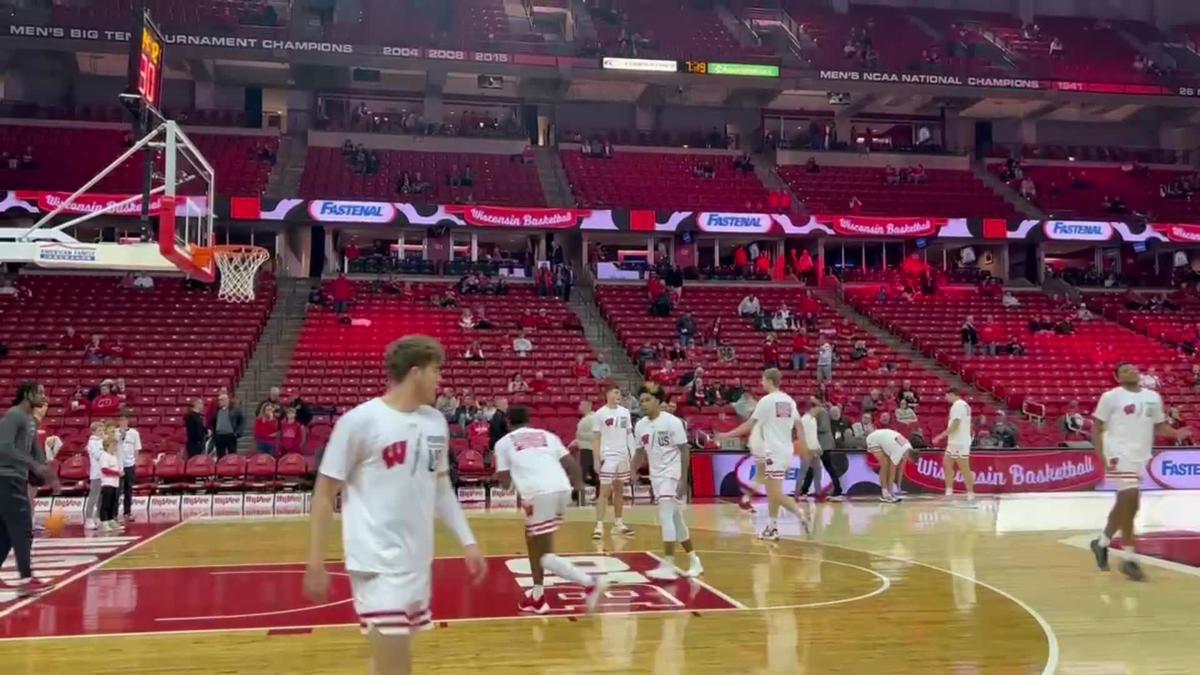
598, 533
695, 569
596, 593
664, 572
90, 524
622, 529
769, 534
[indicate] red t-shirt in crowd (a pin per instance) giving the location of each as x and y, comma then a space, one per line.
478, 434
581, 370
106, 404
990, 334
799, 342
805, 264
291, 435
341, 289
872, 363
545, 321
741, 257
75, 341
539, 385
114, 349
655, 287
352, 252
770, 355
265, 430
528, 321
665, 377
94, 349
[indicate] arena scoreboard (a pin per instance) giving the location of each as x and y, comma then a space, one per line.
690, 67
146, 49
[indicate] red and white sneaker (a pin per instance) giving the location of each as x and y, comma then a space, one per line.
31, 586
745, 505
528, 604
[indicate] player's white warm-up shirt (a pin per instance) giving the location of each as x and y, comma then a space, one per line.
960, 440
1129, 419
776, 414
390, 462
614, 426
889, 442
533, 457
661, 438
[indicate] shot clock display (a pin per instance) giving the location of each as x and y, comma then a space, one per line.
146, 46
691, 67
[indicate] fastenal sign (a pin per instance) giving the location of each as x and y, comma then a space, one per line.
1078, 230
330, 211
736, 223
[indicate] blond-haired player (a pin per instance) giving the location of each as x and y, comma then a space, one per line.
613, 438
1124, 424
783, 436
389, 454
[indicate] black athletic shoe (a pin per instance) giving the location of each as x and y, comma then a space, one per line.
1101, 553
1133, 571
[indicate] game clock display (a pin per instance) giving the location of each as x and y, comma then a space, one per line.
690, 67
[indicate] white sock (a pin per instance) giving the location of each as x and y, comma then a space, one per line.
564, 568
537, 592
1104, 540
949, 493
774, 524
618, 521
694, 557
599, 524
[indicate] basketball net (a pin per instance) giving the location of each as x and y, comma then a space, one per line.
238, 266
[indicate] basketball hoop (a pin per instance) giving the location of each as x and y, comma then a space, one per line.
238, 266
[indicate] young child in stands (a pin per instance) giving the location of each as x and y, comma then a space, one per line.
292, 434
110, 482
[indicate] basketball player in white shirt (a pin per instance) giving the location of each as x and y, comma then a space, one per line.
958, 443
1124, 424
389, 454
890, 448
613, 429
538, 464
778, 419
662, 441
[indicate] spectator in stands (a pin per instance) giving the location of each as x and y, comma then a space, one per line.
770, 352
712, 337
106, 403
1056, 47
855, 204
968, 335
891, 175
227, 425
114, 351
517, 384
905, 414
1041, 324
143, 281
93, 353
743, 163
266, 430
859, 351
1083, 313
1014, 347
539, 385
908, 395
917, 176
1193, 378
1009, 301
521, 344
341, 292
811, 166
1149, 379
1004, 431
825, 359
705, 169
685, 330
600, 369
274, 397
1175, 421
27, 158
467, 320
498, 426
1065, 326
1072, 423
1028, 188
726, 354
72, 340
447, 404
580, 369
781, 320
748, 307
861, 429
871, 400
800, 349
197, 430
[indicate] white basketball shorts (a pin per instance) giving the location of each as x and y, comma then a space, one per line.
392, 604
544, 513
958, 451
614, 468
665, 488
1127, 473
778, 462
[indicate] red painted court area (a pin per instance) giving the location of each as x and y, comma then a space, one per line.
268, 597
1181, 547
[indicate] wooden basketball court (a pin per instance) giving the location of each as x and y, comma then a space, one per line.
920, 587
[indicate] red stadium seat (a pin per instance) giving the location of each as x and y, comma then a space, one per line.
260, 472
230, 473
201, 470
293, 472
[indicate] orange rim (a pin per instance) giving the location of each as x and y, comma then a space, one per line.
202, 256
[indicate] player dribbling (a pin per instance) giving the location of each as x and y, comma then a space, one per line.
390, 456
662, 441
538, 464
1124, 424
890, 448
613, 430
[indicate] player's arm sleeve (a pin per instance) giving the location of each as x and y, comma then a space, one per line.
339, 459
501, 452
451, 513
760, 411
1161, 417
678, 433
1103, 409
557, 446
137, 441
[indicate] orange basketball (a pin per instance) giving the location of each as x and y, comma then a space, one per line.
56, 522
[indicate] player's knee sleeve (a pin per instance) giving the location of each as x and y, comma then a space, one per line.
681, 528
666, 519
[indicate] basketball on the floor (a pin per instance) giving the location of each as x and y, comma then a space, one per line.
55, 523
